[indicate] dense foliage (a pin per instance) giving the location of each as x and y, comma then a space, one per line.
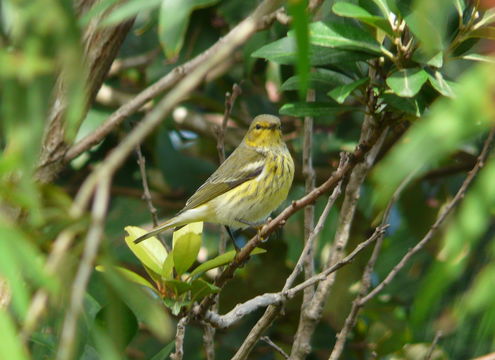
97, 94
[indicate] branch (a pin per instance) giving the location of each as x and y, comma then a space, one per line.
92, 243
101, 45
229, 105
179, 338
146, 193
241, 310
274, 346
440, 219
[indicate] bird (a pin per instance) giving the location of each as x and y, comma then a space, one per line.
246, 188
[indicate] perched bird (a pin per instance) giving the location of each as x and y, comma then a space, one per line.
251, 183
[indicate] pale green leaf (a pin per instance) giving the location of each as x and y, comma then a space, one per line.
480, 58
407, 82
187, 242
220, 260
12, 347
341, 93
150, 252
128, 10
488, 18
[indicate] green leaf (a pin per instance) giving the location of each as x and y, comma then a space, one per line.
341, 93
343, 36
298, 11
168, 267
128, 10
488, 18
220, 260
320, 79
173, 22
440, 84
408, 105
12, 347
176, 305
164, 353
480, 58
385, 9
150, 252
187, 242
487, 32
129, 275
284, 51
350, 10
178, 287
407, 82
301, 109
201, 288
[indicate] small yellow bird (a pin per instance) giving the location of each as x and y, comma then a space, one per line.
251, 183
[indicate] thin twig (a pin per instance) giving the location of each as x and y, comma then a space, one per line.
92, 244
277, 348
179, 338
440, 219
431, 350
229, 105
147, 194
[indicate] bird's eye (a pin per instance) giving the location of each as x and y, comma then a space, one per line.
258, 126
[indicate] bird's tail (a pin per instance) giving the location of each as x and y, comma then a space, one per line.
162, 227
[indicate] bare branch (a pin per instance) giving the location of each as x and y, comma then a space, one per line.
146, 193
229, 105
274, 346
179, 338
431, 350
92, 244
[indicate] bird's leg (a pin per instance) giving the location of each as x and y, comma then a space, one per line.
232, 237
258, 225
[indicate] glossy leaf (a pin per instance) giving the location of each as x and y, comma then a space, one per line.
187, 242
150, 252
350, 10
480, 58
320, 79
341, 93
173, 21
407, 82
284, 51
220, 260
343, 36
301, 109
440, 84
168, 267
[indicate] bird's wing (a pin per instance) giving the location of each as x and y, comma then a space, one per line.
243, 164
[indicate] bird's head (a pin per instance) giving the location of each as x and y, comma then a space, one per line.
265, 131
